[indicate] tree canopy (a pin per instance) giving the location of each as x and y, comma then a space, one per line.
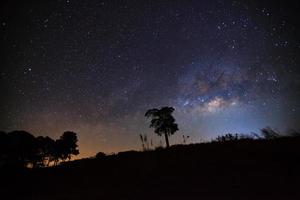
22, 149
162, 121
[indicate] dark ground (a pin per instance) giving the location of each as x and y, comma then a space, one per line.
258, 169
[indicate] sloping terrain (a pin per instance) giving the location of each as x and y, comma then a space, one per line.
249, 169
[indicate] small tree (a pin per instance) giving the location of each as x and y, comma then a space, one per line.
163, 122
100, 155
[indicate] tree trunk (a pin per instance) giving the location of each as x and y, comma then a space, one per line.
167, 140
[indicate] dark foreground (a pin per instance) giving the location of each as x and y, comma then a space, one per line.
260, 169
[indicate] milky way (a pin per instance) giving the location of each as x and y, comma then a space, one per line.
95, 67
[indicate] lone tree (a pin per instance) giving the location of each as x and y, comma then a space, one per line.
163, 122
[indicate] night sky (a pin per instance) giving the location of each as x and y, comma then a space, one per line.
95, 67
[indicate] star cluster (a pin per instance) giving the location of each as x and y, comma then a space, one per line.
95, 67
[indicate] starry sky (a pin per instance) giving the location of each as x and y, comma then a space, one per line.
95, 67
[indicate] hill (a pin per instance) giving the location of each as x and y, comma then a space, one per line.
244, 169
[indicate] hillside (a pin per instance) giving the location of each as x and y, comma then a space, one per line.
249, 169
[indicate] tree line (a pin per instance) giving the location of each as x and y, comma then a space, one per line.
22, 149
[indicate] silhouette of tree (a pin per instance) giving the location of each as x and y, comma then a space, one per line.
22, 148
46, 147
57, 152
163, 122
67, 145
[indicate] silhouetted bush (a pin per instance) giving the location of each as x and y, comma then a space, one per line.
293, 133
234, 137
269, 133
100, 155
227, 137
